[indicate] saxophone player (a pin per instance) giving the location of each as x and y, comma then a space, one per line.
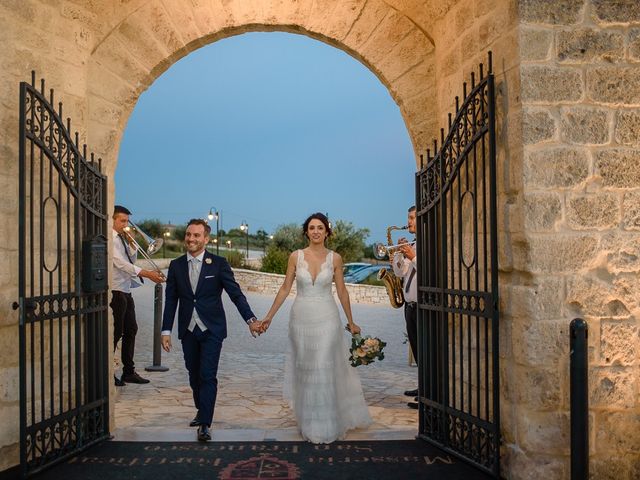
404, 265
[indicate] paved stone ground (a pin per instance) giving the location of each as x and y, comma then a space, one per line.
250, 404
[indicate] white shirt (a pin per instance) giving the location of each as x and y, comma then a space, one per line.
125, 273
403, 268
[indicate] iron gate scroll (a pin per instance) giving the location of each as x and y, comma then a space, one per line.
458, 283
64, 396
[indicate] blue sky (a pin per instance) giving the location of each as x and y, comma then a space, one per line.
267, 128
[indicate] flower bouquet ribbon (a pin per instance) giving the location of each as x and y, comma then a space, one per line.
365, 350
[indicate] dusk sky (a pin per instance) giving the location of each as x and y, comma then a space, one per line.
267, 128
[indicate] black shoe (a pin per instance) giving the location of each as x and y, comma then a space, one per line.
412, 405
196, 421
203, 433
133, 378
117, 382
411, 393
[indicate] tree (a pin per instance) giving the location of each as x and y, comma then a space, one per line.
289, 237
348, 241
152, 227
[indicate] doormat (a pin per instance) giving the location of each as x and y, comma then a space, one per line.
257, 460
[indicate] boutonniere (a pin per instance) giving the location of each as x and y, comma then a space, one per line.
208, 261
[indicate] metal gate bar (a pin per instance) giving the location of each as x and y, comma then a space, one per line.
458, 283
62, 330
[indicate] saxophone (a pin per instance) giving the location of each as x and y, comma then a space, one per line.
391, 282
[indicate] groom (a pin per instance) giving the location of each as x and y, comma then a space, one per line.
194, 283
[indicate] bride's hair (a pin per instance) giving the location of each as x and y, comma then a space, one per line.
317, 216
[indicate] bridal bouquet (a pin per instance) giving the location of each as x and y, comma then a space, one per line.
364, 350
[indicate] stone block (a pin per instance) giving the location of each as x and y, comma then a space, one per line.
544, 432
9, 419
9, 384
538, 388
631, 210
634, 44
584, 125
369, 18
405, 55
612, 387
413, 81
560, 12
556, 168
618, 167
616, 467
542, 300
551, 84
628, 127
591, 296
589, 45
618, 432
614, 85
619, 342
541, 211
520, 464
535, 43
540, 343
599, 211
618, 11
10, 455
393, 29
560, 253
333, 21
537, 126
9, 346
492, 27
623, 251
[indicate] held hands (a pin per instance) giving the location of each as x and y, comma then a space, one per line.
255, 328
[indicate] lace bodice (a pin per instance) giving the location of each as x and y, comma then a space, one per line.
308, 286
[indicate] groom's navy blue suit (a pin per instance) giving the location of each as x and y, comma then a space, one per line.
202, 349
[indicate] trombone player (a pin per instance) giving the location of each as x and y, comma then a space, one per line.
126, 275
404, 265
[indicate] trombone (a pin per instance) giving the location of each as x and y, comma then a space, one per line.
153, 244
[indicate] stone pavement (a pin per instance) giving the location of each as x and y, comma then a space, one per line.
250, 405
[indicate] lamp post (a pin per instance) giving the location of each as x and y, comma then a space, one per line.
243, 227
166, 236
228, 244
213, 214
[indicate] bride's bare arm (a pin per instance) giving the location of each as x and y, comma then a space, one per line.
343, 293
284, 290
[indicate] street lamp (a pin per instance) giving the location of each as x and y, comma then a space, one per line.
213, 214
229, 244
166, 236
243, 227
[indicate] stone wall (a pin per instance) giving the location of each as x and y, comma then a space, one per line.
579, 249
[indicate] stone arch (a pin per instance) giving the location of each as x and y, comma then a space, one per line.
150, 38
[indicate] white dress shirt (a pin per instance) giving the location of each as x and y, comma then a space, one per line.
125, 273
407, 270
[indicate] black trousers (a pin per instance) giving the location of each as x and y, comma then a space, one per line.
411, 319
125, 327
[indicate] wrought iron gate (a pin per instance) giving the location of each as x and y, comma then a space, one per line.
64, 396
458, 283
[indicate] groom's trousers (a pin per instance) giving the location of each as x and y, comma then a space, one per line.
201, 357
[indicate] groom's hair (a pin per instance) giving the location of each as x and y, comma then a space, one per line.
199, 221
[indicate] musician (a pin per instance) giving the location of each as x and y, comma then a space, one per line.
404, 266
126, 275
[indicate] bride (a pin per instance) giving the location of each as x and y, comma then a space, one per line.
321, 387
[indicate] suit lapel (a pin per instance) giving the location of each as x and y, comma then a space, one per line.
207, 266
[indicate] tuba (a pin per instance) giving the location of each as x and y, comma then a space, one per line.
391, 282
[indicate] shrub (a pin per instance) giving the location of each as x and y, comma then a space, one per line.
275, 260
234, 257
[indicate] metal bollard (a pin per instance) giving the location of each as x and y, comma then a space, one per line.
157, 329
579, 398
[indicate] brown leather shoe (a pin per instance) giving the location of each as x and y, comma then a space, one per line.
133, 378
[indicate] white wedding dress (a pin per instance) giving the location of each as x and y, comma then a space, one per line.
322, 388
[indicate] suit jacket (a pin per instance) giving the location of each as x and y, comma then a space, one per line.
215, 275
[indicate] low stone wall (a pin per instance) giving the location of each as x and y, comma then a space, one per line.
269, 284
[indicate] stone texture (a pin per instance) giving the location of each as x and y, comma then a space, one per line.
540, 343
631, 210
556, 168
589, 45
618, 11
546, 432
612, 387
623, 251
541, 211
543, 299
540, 389
634, 44
584, 125
560, 253
618, 167
591, 296
593, 211
615, 85
551, 84
615, 468
618, 432
561, 12
535, 44
627, 130
618, 342
537, 126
